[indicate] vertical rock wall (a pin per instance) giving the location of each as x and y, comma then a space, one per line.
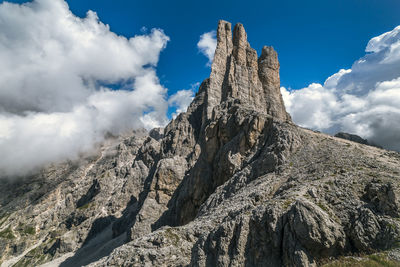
238, 73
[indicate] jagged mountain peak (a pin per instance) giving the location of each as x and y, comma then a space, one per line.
238, 73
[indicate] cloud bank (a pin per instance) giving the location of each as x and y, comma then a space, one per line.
56, 75
207, 45
363, 100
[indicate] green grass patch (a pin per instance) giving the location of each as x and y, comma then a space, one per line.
25, 229
86, 206
7, 234
375, 260
35, 257
30, 230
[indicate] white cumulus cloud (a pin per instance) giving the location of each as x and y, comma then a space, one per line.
363, 100
182, 99
56, 75
207, 45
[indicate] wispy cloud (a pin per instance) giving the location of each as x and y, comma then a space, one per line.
182, 99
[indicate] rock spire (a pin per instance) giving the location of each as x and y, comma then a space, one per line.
238, 73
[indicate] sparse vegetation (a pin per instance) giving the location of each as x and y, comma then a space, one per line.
322, 206
375, 260
169, 233
25, 229
287, 203
7, 234
86, 206
29, 230
34, 257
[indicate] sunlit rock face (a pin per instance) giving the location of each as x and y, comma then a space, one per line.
238, 73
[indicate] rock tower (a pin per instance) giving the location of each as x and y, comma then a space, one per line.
238, 73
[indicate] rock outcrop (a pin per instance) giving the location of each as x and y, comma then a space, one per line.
238, 73
230, 182
352, 137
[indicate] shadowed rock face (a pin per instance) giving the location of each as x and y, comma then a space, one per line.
240, 103
352, 137
230, 182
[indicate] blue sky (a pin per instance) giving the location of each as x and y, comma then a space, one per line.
314, 38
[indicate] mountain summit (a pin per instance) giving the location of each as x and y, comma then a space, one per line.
230, 182
238, 73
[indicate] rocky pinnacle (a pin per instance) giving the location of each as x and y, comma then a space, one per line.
238, 73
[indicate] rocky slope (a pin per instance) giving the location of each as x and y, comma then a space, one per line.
230, 182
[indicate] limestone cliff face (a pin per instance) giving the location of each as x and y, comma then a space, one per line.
238, 73
230, 182
240, 102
